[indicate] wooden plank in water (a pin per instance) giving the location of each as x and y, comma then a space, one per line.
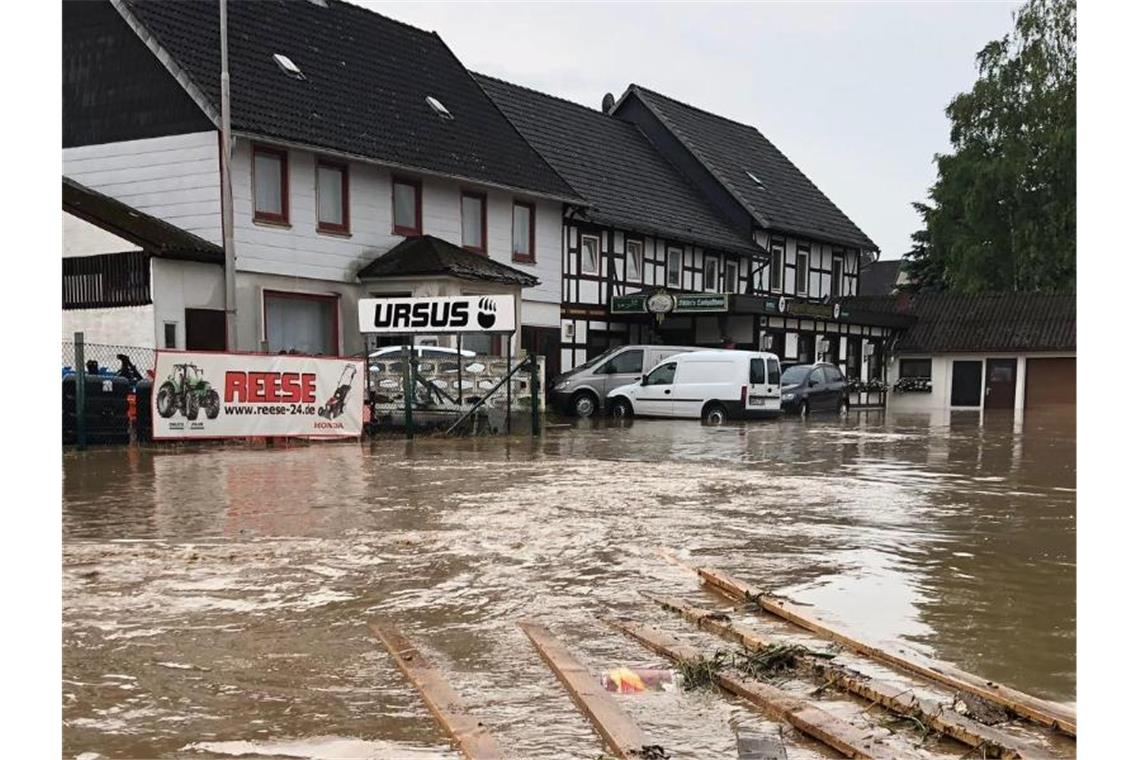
947, 721
621, 735
1027, 706
804, 716
468, 734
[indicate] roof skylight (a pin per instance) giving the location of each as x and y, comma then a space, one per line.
439, 108
755, 179
288, 66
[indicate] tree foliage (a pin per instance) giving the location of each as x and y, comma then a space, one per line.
1003, 210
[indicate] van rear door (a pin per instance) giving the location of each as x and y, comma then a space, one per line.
763, 385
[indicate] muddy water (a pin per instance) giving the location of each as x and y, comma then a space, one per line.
216, 600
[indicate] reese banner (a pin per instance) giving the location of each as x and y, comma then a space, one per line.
445, 314
220, 395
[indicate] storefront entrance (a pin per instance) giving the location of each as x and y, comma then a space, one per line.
966, 384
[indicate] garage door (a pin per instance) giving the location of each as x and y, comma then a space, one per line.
1049, 382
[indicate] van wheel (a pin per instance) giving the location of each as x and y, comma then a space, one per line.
714, 414
584, 404
621, 409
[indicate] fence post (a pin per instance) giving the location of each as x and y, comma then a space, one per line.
408, 388
510, 339
80, 394
534, 426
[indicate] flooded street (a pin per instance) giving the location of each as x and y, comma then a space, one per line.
216, 600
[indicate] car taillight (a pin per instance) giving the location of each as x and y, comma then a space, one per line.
744, 395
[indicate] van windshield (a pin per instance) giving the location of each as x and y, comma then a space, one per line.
795, 375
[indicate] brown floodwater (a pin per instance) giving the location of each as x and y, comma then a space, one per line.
216, 599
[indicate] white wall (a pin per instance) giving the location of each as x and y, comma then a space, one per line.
81, 238
180, 285
120, 326
176, 178
299, 250
941, 371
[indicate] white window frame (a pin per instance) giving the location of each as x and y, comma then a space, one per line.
635, 251
776, 273
803, 265
731, 283
669, 268
597, 254
711, 285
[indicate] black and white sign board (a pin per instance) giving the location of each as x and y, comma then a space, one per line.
451, 314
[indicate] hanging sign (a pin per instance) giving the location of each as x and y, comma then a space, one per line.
219, 395
450, 314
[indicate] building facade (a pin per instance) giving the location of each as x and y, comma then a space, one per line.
336, 158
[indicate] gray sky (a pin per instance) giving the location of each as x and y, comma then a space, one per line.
853, 93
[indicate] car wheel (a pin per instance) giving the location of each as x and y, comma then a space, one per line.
584, 404
804, 410
714, 414
621, 409
842, 408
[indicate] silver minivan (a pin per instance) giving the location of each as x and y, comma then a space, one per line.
582, 390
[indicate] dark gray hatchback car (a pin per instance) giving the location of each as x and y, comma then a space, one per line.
808, 388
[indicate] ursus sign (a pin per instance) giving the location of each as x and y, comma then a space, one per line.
454, 314
215, 395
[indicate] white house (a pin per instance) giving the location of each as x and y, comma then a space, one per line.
353, 132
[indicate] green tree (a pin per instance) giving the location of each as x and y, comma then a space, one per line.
1003, 211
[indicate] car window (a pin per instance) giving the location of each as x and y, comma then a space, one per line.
628, 362
794, 375
817, 376
773, 372
663, 375
757, 371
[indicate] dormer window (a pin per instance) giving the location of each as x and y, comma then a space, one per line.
287, 65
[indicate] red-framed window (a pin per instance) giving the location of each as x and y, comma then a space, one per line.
270, 185
407, 206
522, 232
332, 196
473, 220
305, 323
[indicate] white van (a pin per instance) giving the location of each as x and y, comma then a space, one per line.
713, 386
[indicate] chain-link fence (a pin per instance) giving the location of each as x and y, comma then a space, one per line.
445, 386
107, 359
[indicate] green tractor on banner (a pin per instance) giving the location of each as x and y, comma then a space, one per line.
187, 391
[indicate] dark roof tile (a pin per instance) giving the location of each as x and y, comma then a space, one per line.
153, 235
366, 81
611, 164
948, 322
428, 255
788, 200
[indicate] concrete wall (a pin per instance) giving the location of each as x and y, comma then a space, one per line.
180, 285
121, 326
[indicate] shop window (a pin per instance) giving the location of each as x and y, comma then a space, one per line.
300, 323
710, 272
802, 259
332, 196
914, 368
270, 185
837, 276
407, 212
473, 213
673, 268
589, 253
522, 232
634, 260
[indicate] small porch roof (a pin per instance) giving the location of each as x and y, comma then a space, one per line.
426, 256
